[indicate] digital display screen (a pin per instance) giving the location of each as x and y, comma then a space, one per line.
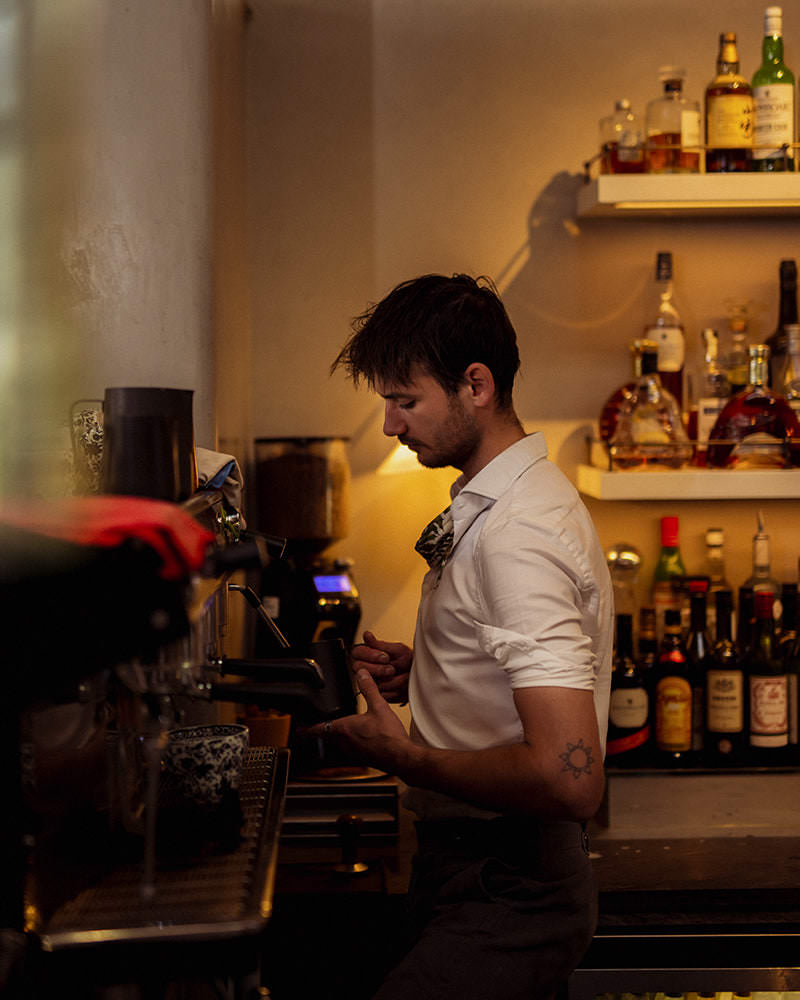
334, 583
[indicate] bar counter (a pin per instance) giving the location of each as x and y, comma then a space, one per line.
676, 914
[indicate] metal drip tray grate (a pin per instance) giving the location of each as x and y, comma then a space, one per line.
222, 894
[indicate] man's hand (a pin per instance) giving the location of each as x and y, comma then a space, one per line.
376, 737
388, 663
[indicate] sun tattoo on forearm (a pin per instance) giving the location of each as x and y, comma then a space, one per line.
577, 758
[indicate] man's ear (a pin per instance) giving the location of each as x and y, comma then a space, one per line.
480, 383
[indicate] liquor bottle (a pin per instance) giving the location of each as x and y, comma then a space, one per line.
648, 641
666, 330
673, 698
757, 428
629, 709
761, 579
698, 649
623, 561
609, 414
729, 113
725, 741
715, 568
649, 428
621, 141
787, 314
669, 573
790, 378
715, 390
773, 100
672, 126
745, 619
767, 688
738, 362
789, 652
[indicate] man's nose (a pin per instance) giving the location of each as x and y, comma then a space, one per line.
393, 422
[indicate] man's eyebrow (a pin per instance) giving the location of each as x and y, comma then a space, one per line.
397, 394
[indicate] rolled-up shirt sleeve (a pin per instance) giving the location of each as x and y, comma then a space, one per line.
533, 584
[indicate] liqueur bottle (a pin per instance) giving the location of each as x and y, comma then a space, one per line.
649, 429
715, 390
745, 619
787, 315
789, 652
725, 742
629, 709
698, 649
673, 698
669, 574
672, 125
773, 101
715, 568
729, 113
768, 693
790, 378
666, 330
757, 427
761, 579
621, 141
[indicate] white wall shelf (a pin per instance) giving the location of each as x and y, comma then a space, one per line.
652, 195
690, 484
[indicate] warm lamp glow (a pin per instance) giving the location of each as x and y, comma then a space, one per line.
400, 459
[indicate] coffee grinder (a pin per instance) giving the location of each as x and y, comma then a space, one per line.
303, 495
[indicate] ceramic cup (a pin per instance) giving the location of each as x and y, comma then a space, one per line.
206, 761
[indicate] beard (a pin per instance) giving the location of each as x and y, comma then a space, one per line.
453, 444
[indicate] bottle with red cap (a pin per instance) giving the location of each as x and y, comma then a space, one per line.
669, 573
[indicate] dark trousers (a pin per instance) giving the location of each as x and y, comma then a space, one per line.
501, 909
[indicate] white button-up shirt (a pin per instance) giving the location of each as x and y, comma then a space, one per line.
525, 600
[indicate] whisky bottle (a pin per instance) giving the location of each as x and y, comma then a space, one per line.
669, 574
715, 568
787, 315
773, 101
729, 113
672, 125
666, 330
725, 741
790, 378
757, 428
673, 697
649, 430
767, 688
621, 149
629, 708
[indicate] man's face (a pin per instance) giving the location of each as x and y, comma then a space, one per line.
439, 427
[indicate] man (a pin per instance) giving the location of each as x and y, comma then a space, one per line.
509, 676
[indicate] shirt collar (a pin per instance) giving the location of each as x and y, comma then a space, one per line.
496, 476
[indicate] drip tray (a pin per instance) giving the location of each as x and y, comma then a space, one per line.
223, 894
313, 806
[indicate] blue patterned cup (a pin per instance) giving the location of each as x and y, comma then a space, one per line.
206, 762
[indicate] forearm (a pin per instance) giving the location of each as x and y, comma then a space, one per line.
515, 779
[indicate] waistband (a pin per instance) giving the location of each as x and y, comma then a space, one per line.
501, 834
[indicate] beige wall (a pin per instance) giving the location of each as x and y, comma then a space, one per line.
393, 137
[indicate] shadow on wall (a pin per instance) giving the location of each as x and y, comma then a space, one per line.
574, 306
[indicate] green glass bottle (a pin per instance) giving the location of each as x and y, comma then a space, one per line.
669, 573
773, 100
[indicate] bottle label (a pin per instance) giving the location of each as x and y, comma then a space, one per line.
671, 347
769, 711
774, 119
729, 120
628, 708
627, 743
674, 714
708, 409
725, 701
666, 597
690, 129
792, 689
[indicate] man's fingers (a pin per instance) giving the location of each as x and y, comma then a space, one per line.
369, 689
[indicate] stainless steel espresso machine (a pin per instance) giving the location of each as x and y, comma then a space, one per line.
117, 612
